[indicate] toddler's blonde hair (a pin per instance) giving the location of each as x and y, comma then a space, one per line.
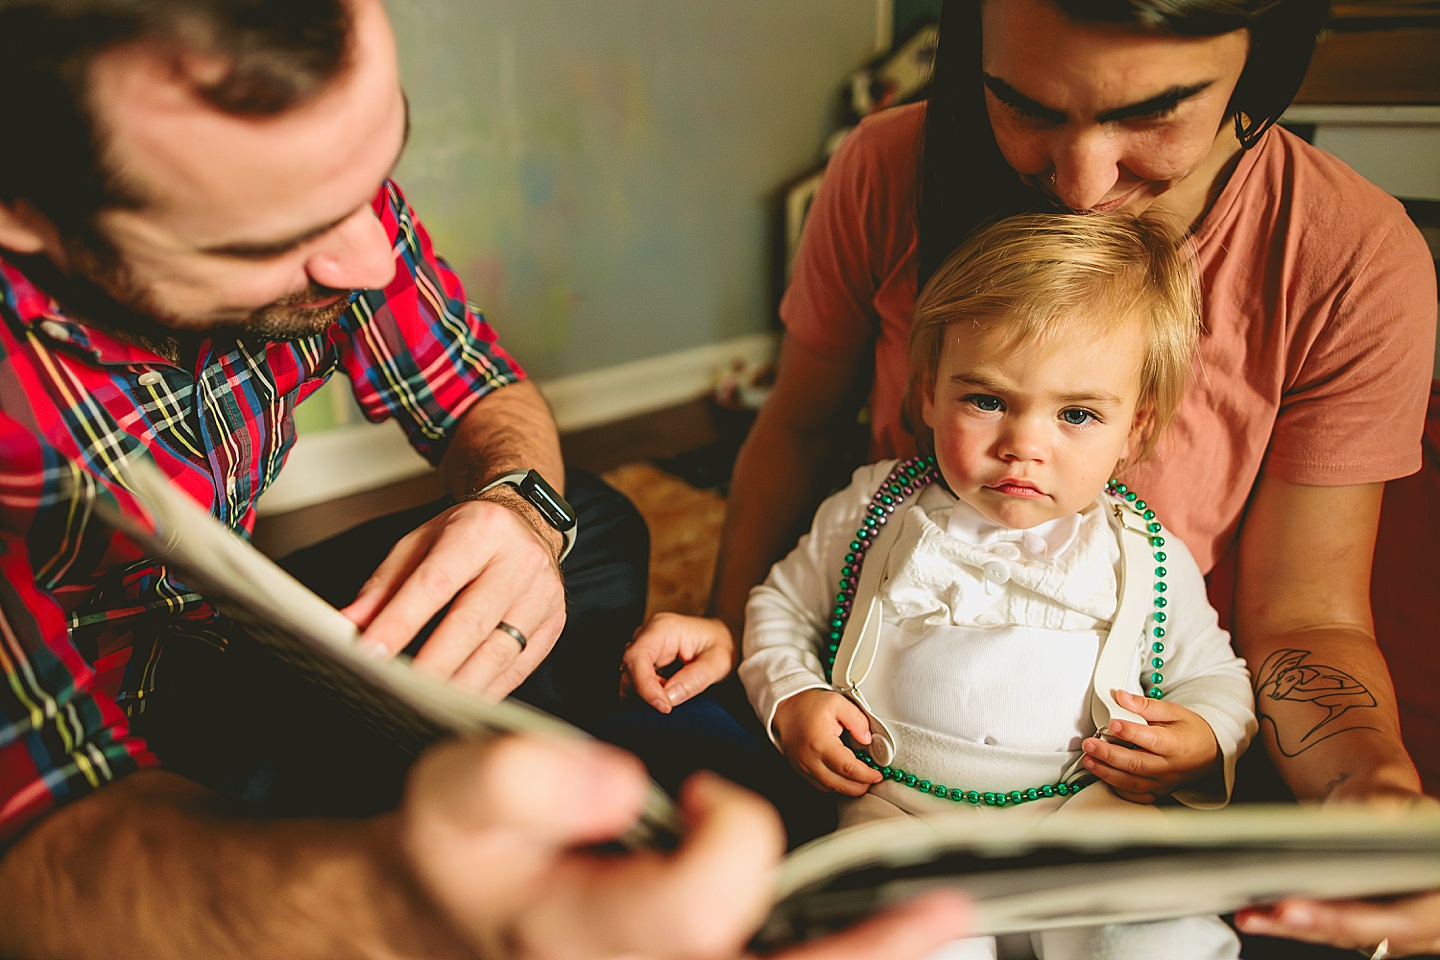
1038, 277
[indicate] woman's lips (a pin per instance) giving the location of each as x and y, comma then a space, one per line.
1118, 202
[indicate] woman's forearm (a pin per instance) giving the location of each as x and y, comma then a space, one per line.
1327, 714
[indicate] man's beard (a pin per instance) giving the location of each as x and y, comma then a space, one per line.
101, 292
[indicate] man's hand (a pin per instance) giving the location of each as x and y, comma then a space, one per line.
703, 645
810, 725
499, 839
496, 566
1176, 748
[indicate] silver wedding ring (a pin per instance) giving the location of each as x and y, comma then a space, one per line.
519, 637
1381, 951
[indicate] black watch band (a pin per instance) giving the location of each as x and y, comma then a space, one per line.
552, 507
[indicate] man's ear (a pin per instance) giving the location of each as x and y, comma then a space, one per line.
27, 231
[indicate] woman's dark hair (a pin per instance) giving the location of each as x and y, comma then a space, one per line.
279, 53
959, 149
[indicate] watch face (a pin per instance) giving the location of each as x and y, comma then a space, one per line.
551, 505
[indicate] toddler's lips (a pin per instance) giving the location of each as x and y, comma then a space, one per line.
1017, 488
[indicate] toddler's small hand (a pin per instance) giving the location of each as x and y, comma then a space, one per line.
1173, 747
810, 725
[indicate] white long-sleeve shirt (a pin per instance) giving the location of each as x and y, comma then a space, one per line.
986, 675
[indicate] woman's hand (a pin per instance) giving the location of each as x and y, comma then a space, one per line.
1175, 748
809, 726
704, 646
1409, 927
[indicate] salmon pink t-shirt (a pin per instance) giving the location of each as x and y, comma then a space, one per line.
1319, 322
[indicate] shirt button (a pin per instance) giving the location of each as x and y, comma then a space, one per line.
996, 571
150, 379
55, 330
1007, 550
230, 484
988, 620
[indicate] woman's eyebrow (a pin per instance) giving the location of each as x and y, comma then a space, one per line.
1148, 107
1157, 104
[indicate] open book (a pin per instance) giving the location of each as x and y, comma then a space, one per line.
1024, 873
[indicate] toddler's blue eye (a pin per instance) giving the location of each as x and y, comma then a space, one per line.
988, 404
1077, 417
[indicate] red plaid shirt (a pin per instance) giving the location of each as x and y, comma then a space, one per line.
83, 615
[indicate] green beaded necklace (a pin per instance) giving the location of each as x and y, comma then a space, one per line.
908, 478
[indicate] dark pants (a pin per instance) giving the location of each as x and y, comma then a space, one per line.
251, 727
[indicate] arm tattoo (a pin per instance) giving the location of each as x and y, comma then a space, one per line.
1296, 696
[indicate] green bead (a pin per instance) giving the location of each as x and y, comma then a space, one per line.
910, 777
1160, 586
989, 799
957, 795
870, 522
1063, 789
942, 792
835, 634
1161, 601
1153, 527
885, 772
1120, 488
887, 499
1016, 796
1161, 571
1047, 791
1158, 632
1159, 617
1001, 799
911, 471
1148, 514
1157, 662
1032, 794
1158, 647
1139, 504
923, 786
1160, 556
972, 796
1156, 694
834, 648
837, 624
846, 570
1157, 541
1157, 678
854, 544
1130, 496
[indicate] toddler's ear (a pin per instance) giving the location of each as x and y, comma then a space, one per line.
1140, 431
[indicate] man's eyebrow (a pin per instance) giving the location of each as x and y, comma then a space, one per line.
265, 249
1149, 107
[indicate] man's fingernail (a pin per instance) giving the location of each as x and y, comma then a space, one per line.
373, 648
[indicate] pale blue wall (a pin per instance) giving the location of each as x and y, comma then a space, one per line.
597, 170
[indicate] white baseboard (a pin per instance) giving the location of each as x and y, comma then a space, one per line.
362, 456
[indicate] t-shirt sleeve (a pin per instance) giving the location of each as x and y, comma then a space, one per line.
845, 249
417, 351
1354, 407
60, 739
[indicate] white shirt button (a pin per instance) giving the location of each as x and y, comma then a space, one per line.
996, 571
1006, 549
55, 330
230, 484
150, 379
988, 620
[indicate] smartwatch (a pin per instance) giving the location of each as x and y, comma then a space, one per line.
544, 498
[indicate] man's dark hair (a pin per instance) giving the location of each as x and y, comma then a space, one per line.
964, 180
278, 52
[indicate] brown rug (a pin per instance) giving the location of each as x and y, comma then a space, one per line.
684, 534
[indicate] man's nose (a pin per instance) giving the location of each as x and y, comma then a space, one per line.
356, 255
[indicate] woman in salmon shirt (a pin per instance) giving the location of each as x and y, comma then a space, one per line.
1310, 383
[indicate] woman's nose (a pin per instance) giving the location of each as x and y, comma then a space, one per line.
1087, 167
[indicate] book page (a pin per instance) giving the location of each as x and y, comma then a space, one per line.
412, 708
